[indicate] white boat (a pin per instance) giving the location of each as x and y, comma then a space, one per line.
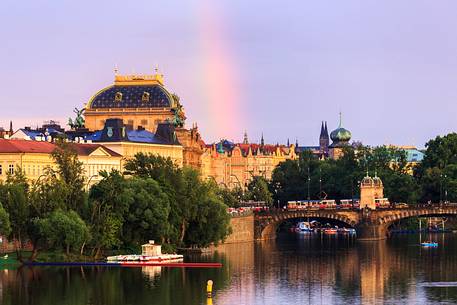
151, 253
303, 227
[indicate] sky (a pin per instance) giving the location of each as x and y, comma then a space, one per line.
272, 67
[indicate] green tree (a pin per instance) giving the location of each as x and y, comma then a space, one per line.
15, 203
109, 201
147, 217
230, 197
437, 175
63, 229
5, 226
213, 222
186, 193
258, 190
70, 170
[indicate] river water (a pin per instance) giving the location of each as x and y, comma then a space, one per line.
294, 269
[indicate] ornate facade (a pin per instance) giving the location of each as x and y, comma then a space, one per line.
370, 190
234, 165
141, 102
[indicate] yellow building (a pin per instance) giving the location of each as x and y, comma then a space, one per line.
139, 100
371, 192
34, 158
143, 104
234, 165
127, 143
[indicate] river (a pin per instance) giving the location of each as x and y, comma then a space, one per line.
294, 269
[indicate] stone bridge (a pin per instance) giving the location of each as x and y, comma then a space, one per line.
369, 224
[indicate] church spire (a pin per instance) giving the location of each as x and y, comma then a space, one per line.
322, 130
245, 139
288, 143
11, 128
262, 142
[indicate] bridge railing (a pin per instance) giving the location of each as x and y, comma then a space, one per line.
393, 206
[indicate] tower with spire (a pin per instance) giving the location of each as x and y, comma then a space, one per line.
324, 140
245, 138
340, 138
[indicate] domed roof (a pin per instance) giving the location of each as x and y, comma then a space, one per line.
367, 181
133, 91
340, 134
377, 181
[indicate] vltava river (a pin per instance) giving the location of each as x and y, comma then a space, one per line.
295, 269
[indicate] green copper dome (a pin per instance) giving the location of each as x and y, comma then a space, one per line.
340, 135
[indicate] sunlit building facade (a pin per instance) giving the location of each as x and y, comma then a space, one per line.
235, 164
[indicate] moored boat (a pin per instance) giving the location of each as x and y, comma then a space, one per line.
330, 231
302, 227
151, 253
430, 244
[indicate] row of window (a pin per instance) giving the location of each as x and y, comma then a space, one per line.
144, 97
10, 169
96, 169
143, 123
36, 170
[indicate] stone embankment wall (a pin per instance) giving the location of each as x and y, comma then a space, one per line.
242, 229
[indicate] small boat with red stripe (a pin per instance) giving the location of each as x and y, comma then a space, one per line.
151, 253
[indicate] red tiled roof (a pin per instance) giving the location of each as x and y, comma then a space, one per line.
28, 146
25, 146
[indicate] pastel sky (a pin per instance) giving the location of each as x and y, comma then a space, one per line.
277, 67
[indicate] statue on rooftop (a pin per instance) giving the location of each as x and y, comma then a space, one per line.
78, 122
179, 117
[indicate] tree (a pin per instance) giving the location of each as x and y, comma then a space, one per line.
437, 175
15, 203
5, 226
109, 201
147, 216
230, 197
186, 193
258, 190
63, 230
213, 222
70, 170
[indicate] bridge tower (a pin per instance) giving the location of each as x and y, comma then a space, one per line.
370, 190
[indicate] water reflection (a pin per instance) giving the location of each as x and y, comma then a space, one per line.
293, 269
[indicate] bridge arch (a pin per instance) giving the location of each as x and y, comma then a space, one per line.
266, 226
389, 218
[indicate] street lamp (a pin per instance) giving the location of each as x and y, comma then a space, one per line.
320, 183
441, 188
309, 180
445, 188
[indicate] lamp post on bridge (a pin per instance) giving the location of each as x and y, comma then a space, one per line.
320, 183
445, 189
309, 180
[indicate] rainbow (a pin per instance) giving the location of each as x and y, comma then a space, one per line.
219, 70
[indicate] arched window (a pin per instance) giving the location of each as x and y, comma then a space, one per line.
145, 97
118, 97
